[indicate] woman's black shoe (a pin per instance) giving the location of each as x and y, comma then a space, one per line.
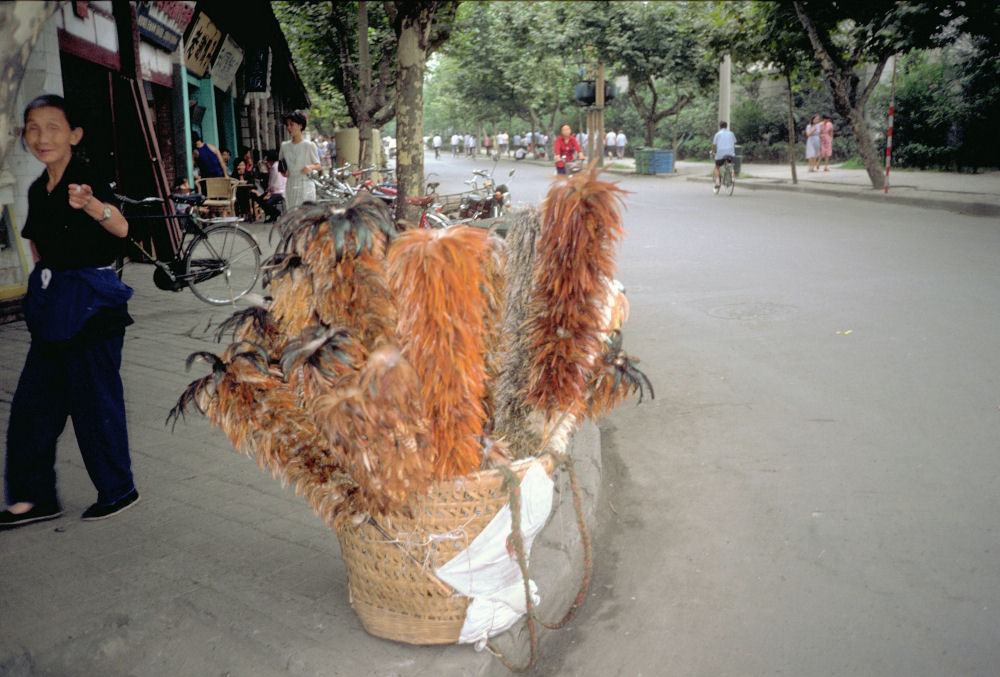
38, 513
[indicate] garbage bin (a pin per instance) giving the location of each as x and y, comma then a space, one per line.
738, 162
643, 160
663, 162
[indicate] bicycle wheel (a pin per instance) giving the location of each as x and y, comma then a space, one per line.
223, 264
730, 179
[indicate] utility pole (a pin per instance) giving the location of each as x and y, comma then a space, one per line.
725, 89
599, 112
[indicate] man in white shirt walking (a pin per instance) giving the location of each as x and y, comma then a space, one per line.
723, 146
620, 142
609, 143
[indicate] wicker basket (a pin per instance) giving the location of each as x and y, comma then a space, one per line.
391, 575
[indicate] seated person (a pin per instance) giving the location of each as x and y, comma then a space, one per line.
274, 198
181, 187
243, 195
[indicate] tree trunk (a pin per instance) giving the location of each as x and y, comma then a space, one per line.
791, 127
367, 153
22, 24
413, 23
842, 86
369, 101
866, 148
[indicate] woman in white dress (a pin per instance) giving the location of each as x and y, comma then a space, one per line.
301, 157
812, 143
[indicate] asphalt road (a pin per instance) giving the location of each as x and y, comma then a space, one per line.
814, 489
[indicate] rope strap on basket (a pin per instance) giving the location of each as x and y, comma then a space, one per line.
515, 545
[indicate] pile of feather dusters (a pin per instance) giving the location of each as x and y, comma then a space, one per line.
384, 359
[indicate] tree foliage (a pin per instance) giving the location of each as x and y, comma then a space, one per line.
348, 51
661, 47
503, 62
846, 36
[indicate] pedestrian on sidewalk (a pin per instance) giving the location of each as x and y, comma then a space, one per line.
812, 143
620, 141
76, 311
610, 141
825, 142
300, 158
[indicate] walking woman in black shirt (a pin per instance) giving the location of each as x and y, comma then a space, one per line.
76, 312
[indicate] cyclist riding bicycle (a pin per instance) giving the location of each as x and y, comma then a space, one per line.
723, 146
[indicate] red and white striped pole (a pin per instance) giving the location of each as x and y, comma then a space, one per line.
888, 136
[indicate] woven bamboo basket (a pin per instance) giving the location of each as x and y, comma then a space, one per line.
390, 569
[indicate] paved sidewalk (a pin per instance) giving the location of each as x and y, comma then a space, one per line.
972, 194
218, 570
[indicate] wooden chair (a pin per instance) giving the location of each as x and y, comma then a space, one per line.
220, 195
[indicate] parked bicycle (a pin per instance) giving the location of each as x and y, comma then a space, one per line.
217, 258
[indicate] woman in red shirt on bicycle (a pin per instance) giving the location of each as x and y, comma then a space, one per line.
566, 148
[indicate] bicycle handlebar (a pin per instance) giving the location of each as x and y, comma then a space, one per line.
191, 199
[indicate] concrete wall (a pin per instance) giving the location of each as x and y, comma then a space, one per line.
42, 76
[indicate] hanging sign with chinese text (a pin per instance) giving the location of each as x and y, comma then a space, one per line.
163, 23
226, 64
259, 70
202, 41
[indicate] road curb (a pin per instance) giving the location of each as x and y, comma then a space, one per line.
970, 208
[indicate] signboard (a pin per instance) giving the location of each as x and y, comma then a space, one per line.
202, 41
259, 70
163, 23
225, 66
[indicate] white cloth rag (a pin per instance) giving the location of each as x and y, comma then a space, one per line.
490, 575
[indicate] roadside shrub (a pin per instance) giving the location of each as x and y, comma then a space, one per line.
696, 148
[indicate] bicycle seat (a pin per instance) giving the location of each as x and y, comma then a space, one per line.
190, 199
420, 201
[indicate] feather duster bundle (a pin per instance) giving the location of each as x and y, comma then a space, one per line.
617, 378
581, 228
385, 360
332, 270
379, 423
508, 388
439, 281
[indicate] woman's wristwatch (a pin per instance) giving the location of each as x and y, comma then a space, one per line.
106, 214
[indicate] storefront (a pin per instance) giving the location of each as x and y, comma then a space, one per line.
145, 76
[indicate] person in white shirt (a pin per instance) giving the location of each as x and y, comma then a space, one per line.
609, 143
436, 141
301, 158
620, 142
723, 146
454, 145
